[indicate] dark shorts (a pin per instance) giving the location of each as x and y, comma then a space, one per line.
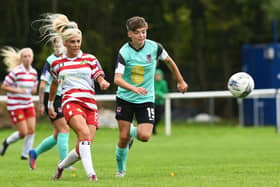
57, 106
144, 112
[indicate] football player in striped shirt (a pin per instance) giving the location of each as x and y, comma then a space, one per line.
20, 84
60, 134
76, 73
134, 76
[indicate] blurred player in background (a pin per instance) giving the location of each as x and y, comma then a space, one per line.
20, 84
134, 76
76, 72
60, 134
160, 90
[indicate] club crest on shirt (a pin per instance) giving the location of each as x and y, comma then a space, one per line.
20, 116
83, 62
149, 58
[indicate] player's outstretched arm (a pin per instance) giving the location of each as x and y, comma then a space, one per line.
182, 86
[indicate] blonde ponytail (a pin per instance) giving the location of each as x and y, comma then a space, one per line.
57, 25
11, 57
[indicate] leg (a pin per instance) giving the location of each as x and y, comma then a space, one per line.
29, 139
144, 131
44, 146
48, 143
158, 113
20, 133
62, 135
85, 134
122, 148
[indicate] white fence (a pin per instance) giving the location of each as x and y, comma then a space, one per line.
256, 94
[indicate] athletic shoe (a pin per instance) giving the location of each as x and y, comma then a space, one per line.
23, 157
120, 174
130, 143
32, 159
93, 178
58, 173
4, 147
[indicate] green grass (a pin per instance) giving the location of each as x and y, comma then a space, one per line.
198, 155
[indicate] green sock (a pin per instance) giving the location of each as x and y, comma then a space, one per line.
133, 131
62, 143
45, 145
121, 157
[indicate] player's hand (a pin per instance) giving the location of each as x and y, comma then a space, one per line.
21, 91
52, 113
182, 86
140, 91
34, 90
104, 85
41, 109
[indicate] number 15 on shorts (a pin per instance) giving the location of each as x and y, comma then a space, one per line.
151, 113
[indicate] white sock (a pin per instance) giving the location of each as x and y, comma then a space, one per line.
28, 143
13, 138
85, 153
70, 159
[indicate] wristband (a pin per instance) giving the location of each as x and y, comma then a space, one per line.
50, 104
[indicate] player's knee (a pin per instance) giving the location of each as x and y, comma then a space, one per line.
83, 135
124, 138
30, 131
144, 137
64, 129
22, 134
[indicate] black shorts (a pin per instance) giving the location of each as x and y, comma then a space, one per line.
57, 106
144, 112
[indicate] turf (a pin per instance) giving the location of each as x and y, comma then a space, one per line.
194, 155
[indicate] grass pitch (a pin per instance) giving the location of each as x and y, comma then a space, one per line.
194, 155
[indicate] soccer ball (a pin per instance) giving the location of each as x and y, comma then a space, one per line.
240, 84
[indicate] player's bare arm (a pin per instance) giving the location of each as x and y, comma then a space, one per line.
118, 80
53, 90
103, 84
41, 97
8, 88
182, 86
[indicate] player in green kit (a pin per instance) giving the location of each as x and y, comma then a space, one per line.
134, 76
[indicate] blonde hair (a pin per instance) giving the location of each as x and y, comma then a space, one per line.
58, 25
12, 56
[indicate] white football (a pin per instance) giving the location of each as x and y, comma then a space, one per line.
241, 84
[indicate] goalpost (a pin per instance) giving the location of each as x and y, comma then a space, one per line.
256, 94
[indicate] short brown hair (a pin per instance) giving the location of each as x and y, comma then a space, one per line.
135, 22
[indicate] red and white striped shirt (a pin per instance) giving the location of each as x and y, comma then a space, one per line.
21, 78
76, 77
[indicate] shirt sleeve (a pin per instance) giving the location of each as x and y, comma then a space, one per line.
45, 76
120, 64
97, 70
10, 79
53, 72
36, 78
162, 53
